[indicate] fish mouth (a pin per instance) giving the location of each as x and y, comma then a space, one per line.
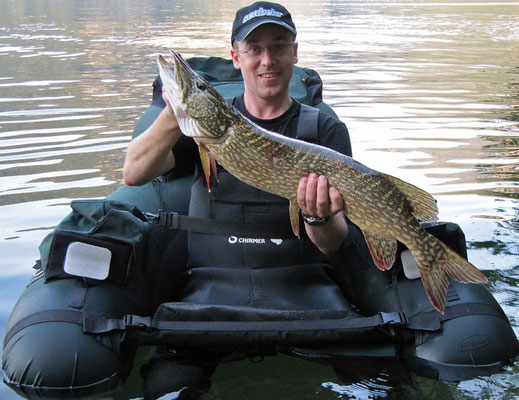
177, 61
189, 94
165, 64
181, 71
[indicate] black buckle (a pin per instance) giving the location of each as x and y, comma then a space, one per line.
168, 219
393, 318
136, 321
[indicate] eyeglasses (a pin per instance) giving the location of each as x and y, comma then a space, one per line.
275, 50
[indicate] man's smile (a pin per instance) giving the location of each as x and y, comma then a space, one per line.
268, 75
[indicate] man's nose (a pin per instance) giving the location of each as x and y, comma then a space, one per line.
266, 56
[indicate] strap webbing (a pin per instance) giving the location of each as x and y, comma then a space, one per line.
78, 294
175, 220
98, 324
308, 124
71, 316
431, 321
243, 335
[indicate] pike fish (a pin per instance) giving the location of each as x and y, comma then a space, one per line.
385, 208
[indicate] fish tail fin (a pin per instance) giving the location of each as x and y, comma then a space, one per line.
449, 263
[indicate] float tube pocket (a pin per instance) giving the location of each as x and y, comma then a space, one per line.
79, 255
100, 240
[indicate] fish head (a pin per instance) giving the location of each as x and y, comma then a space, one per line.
201, 111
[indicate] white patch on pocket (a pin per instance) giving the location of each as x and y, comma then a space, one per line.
410, 266
87, 260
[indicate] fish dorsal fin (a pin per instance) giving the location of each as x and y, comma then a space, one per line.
423, 205
382, 250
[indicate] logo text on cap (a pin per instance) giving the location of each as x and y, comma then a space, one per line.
261, 12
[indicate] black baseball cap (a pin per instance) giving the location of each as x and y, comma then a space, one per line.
262, 12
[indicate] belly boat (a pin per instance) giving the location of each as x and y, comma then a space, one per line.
110, 272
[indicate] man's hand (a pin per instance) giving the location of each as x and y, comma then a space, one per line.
316, 198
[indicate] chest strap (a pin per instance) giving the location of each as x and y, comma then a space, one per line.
174, 220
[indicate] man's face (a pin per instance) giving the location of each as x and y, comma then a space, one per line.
267, 75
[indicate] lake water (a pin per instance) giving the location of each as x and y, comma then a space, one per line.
428, 89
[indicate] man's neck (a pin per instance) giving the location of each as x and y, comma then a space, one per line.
266, 109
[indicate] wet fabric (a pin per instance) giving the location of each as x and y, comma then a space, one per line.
298, 287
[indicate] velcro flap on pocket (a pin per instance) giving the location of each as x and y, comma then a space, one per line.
87, 260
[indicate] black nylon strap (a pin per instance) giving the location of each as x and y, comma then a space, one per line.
173, 220
431, 321
101, 325
97, 324
72, 316
243, 335
308, 124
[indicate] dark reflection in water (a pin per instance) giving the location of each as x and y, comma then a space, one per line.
428, 89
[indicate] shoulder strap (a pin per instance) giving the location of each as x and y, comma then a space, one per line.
308, 124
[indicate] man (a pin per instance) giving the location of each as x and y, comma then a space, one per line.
264, 49
266, 97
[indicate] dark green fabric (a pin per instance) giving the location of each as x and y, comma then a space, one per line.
103, 219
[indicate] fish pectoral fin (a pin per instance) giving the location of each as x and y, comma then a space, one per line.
383, 250
294, 216
208, 164
423, 205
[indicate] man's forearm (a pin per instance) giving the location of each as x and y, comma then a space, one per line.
149, 155
328, 237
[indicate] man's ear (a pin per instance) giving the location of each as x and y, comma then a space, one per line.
235, 59
296, 45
